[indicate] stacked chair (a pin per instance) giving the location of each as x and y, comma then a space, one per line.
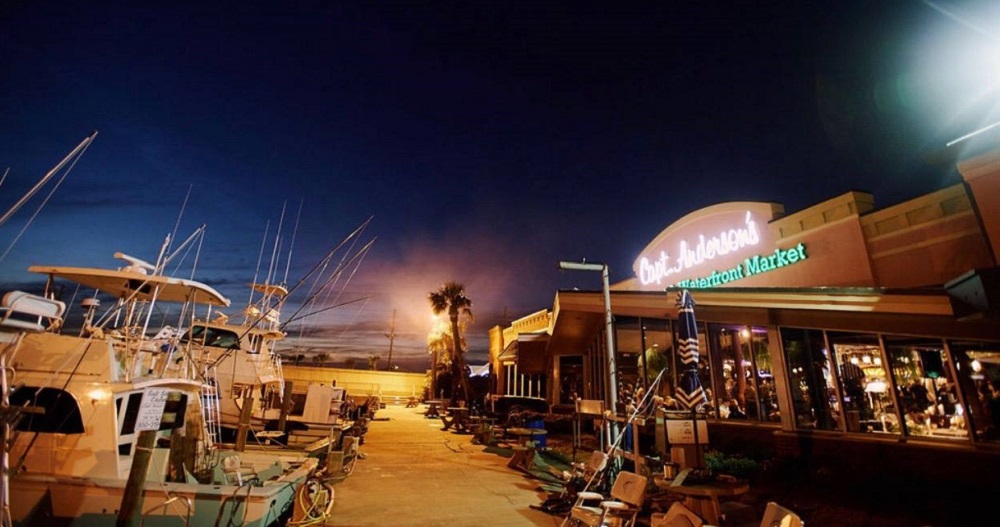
582, 476
620, 509
678, 515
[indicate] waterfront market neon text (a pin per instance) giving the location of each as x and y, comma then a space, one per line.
754, 265
706, 249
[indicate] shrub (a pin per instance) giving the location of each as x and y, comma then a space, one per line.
741, 467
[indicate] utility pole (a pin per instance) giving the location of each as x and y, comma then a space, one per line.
391, 335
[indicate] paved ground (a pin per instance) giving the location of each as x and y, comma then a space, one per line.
415, 474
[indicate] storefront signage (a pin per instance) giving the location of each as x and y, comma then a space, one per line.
754, 265
691, 254
681, 432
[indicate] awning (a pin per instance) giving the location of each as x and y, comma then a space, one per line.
528, 352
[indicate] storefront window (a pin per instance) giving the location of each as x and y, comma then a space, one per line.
925, 388
732, 365
766, 394
659, 348
813, 396
977, 367
628, 360
864, 383
742, 378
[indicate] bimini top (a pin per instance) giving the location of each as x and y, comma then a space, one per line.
125, 284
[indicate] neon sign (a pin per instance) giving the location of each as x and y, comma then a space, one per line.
751, 266
704, 250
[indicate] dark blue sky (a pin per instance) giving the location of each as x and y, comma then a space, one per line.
489, 140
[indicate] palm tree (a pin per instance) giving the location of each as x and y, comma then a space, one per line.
439, 345
451, 298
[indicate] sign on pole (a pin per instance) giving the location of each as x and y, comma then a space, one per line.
154, 401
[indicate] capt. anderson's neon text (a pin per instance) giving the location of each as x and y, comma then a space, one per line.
706, 249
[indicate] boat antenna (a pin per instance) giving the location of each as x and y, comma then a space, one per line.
180, 214
308, 301
260, 256
72, 159
272, 268
295, 230
73, 155
319, 265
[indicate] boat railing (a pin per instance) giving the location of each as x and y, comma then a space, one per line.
172, 499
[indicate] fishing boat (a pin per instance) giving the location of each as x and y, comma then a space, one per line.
109, 425
238, 358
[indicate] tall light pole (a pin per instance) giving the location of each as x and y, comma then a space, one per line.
612, 392
391, 335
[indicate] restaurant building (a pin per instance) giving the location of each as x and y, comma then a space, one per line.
834, 334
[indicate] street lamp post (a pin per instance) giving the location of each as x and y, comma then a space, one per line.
612, 392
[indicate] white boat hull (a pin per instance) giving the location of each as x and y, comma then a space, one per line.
47, 501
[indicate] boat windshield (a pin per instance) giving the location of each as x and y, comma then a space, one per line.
220, 338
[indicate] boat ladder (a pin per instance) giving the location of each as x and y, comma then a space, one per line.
279, 373
210, 405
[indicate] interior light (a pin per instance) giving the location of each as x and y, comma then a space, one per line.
977, 366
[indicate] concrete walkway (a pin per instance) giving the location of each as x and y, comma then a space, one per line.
415, 474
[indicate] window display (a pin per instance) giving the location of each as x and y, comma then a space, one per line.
864, 385
977, 367
813, 396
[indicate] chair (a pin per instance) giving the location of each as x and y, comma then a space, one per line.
676, 516
777, 516
597, 462
20, 311
233, 471
627, 496
581, 476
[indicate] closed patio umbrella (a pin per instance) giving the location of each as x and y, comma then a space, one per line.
690, 393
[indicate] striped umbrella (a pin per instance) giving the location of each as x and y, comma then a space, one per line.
689, 390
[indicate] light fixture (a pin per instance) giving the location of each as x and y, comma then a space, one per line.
99, 395
867, 359
977, 366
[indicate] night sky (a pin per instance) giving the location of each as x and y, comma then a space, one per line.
486, 140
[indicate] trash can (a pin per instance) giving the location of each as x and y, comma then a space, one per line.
539, 439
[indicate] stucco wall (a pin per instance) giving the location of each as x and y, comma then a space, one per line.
357, 382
